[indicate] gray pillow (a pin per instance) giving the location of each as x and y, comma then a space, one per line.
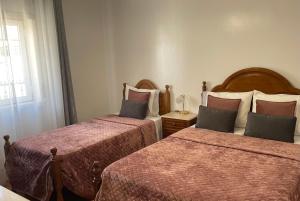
216, 119
133, 109
281, 128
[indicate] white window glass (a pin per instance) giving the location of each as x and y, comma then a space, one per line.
14, 71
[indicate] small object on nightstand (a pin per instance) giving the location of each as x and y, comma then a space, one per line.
175, 121
181, 99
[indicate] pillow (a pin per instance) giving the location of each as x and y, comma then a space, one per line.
153, 104
278, 128
133, 109
142, 97
244, 108
279, 98
223, 103
276, 108
216, 119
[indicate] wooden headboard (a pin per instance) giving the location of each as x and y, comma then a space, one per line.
164, 97
260, 79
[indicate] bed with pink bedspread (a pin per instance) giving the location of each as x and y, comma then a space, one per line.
104, 139
198, 164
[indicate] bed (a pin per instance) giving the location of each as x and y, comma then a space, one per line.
200, 164
75, 156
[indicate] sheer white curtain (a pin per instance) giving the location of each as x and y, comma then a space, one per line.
30, 82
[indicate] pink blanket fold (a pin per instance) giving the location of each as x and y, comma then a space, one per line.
198, 164
104, 139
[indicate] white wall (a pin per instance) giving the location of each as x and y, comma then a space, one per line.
183, 42
177, 42
84, 23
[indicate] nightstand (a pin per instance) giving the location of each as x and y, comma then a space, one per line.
174, 121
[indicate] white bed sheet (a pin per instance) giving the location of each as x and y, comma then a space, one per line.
239, 131
158, 126
297, 139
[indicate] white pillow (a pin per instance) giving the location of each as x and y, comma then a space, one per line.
246, 98
258, 95
153, 104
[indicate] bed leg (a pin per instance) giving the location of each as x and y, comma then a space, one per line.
6, 145
96, 172
56, 174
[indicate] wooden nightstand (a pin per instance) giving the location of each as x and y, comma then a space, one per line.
174, 121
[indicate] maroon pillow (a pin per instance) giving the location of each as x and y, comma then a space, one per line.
223, 104
141, 97
276, 108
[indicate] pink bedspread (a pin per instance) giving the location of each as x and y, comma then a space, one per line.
197, 164
104, 139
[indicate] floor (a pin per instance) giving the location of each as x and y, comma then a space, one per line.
69, 196
7, 195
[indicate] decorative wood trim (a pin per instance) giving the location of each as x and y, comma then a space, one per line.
204, 87
256, 78
165, 101
145, 84
124, 90
164, 97
56, 175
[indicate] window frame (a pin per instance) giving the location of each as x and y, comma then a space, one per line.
27, 74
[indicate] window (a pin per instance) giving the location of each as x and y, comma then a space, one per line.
14, 71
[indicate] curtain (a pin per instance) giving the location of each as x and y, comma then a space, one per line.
31, 99
68, 95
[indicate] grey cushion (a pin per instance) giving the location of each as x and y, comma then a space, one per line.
133, 109
216, 119
281, 128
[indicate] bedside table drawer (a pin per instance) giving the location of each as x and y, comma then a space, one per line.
174, 124
167, 132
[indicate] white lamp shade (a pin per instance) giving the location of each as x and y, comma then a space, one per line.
180, 99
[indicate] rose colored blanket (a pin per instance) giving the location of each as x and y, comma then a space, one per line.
197, 164
104, 139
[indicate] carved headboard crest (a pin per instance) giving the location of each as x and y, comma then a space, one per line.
261, 79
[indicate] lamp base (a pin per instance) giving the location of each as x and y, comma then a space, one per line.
184, 112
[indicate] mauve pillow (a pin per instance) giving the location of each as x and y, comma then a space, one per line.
276, 108
142, 97
278, 128
223, 103
216, 119
133, 109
